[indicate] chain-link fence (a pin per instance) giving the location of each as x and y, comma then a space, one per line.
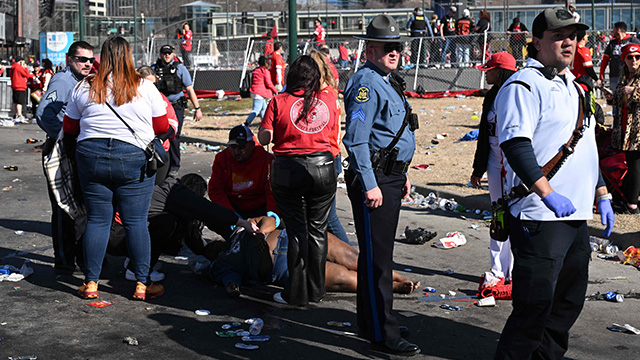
428, 64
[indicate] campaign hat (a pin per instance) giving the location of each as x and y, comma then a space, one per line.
382, 28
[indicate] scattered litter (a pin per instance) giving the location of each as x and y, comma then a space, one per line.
7, 123
19, 232
470, 136
11, 167
435, 142
225, 334
488, 301
351, 222
408, 313
181, 258
32, 141
101, 303
23, 357
202, 312
419, 235
624, 328
451, 240
7, 188
452, 293
618, 278
408, 270
600, 296
339, 323
11, 273
230, 325
244, 346
130, 340
448, 272
611, 296
261, 338
443, 296
421, 167
449, 307
474, 226
429, 289
439, 136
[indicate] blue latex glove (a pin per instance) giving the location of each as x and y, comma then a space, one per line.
606, 216
560, 205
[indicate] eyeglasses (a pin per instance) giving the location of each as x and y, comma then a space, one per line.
633, 57
390, 47
84, 59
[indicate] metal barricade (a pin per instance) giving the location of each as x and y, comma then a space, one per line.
6, 99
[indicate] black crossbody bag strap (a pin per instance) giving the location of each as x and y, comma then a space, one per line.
398, 88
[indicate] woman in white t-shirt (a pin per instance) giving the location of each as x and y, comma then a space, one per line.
111, 160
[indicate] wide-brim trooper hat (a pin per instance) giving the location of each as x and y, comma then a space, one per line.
382, 28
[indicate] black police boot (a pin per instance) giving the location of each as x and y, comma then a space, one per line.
397, 346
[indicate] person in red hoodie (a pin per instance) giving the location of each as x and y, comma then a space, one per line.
261, 90
19, 76
240, 177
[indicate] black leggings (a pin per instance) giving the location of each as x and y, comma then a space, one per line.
631, 182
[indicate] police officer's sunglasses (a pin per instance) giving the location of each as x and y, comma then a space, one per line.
390, 47
84, 59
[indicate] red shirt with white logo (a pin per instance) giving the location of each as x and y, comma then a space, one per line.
304, 136
320, 35
186, 40
277, 62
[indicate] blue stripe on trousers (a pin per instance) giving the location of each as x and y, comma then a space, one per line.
369, 252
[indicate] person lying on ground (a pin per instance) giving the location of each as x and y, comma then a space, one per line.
256, 258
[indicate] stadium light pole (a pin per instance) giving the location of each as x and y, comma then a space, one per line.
293, 31
135, 31
81, 20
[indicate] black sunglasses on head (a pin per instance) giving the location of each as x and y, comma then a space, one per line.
84, 59
389, 47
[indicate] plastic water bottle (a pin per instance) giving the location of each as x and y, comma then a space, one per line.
256, 327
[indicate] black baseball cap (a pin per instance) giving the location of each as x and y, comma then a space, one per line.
166, 49
554, 18
240, 135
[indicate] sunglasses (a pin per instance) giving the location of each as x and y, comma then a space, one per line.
633, 57
84, 59
390, 47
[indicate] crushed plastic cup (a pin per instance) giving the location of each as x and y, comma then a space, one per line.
449, 307
202, 312
230, 325
225, 334
488, 301
244, 346
259, 338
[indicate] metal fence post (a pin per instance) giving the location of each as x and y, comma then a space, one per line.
415, 77
245, 62
195, 67
484, 58
360, 44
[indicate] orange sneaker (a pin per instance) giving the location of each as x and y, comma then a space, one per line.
144, 292
88, 291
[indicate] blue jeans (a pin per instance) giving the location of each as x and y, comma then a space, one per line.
259, 107
113, 177
344, 63
447, 43
462, 54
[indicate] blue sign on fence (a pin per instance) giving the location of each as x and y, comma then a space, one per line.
54, 46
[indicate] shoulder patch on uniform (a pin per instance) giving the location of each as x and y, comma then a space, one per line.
53, 96
359, 115
363, 94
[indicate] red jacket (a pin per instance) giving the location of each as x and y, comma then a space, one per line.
19, 75
261, 83
242, 186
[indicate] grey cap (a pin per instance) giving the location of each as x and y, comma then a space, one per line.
554, 18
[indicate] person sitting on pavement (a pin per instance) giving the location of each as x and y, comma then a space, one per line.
240, 176
177, 214
263, 258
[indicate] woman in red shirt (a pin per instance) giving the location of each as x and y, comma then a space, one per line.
300, 122
262, 89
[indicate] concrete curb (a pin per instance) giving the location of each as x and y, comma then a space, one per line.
479, 201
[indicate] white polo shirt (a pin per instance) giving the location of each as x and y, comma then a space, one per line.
547, 114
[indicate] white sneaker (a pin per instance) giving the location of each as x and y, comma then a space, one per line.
154, 276
277, 297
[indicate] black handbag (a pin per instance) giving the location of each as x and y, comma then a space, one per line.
156, 155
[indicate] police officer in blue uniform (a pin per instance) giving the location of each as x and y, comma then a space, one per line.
376, 179
418, 27
173, 77
67, 242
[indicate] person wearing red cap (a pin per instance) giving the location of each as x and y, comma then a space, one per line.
612, 52
626, 124
488, 158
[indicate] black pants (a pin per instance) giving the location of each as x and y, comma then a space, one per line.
186, 57
67, 241
376, 231
550, 276
304, 188
631, 182
174, 149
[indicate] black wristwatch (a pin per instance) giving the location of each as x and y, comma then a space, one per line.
198, 108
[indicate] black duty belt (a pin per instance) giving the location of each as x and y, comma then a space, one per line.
398, 167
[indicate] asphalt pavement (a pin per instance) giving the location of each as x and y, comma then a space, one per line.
42, 315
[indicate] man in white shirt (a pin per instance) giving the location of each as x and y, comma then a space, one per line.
537, 110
